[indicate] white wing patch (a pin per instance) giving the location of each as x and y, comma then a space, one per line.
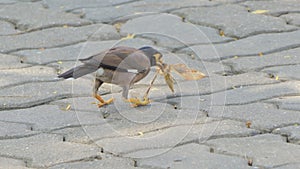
132, 71
100, 72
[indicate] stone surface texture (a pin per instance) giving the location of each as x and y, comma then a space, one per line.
244, 114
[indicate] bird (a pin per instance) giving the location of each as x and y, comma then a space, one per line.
121, 66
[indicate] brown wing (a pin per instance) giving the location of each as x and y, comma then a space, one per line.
119, 58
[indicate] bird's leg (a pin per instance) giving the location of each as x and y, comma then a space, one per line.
135, 102
102, 102
151, 84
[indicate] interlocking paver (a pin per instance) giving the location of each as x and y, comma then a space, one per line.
37, 118
7, 28
292, 18
172, 136
222, 17
244, 114
180, 34
106, 162
191, 156
253, 45
126, 11
252, 63
285, 72
288, 102
58, 36
28, 16
7, 163
274, 7
47, 149
262, 116
265, 150
292, 133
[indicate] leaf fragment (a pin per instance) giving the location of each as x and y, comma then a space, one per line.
169, 80
248, 124
187, 73
129, 36
260, 11
68, 107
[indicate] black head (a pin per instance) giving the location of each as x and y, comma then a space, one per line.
153, 55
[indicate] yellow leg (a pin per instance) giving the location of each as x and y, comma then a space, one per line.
102, 102
135, 102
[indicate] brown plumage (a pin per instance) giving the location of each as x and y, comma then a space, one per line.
122, 66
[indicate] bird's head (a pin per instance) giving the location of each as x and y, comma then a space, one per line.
154, 56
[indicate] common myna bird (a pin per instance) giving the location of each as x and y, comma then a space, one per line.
122, 66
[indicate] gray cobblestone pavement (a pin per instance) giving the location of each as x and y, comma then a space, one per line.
246, 114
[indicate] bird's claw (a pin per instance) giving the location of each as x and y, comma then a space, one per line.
135, 102
109, 101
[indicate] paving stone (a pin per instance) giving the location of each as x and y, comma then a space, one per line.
288, 102
290, 72
30, 94
103, 163
219, 84
292, 132
171, 136
57, 37
262, 116
25, 75
7, 28
266, 150
14, 130
33, 16
252, 94
74, 4
274, 7
288, 166
45, 150
49, 118
180, 34
11, 62
221, 17
74, 52
10, 163
292, 18
246, 64
251, 46
127, 11
191, 156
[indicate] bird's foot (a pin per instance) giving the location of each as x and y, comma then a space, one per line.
109, 101
135, 102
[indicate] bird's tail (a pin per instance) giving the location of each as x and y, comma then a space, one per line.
77, 72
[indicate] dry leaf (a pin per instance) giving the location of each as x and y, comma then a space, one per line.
59, 62
68, 107
118, 26
248, 124
221, 32
140, 133
260, 11
169, 80
277, 77
129, 36
186, 73
260, 54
